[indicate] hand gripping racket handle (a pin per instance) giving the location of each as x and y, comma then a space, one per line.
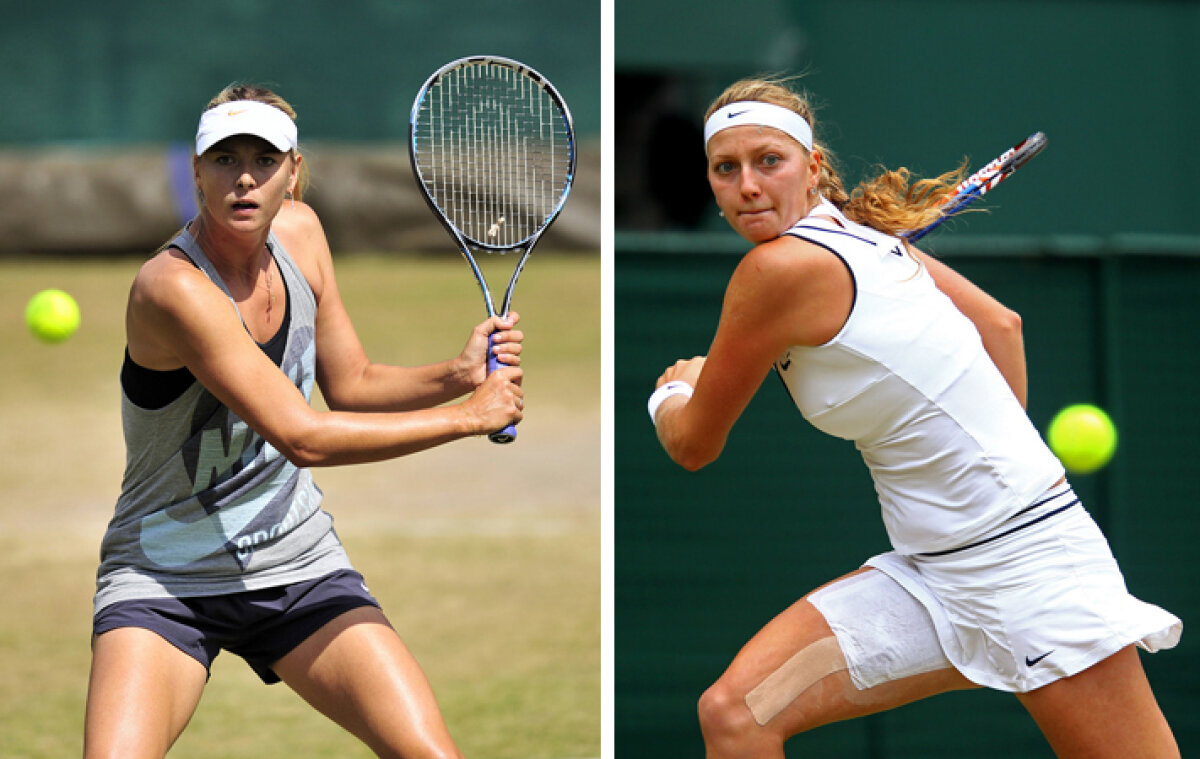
509, 433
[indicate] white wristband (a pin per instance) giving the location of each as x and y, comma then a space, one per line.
674, 387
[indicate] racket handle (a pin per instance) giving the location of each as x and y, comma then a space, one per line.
509, 433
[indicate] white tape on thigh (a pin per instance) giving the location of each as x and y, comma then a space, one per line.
808, 666
884, 632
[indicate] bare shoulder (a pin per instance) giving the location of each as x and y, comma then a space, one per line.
167, 293
299, 229
167, 281
296, 222
799, 291
301, 233
785, 263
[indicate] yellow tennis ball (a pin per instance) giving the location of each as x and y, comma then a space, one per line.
52, 315
1083, 437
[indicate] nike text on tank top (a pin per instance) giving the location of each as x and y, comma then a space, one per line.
207, 507
950, 449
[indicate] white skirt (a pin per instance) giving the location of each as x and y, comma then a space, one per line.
1040, 599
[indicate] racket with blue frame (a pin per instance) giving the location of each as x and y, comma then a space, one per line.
493, 151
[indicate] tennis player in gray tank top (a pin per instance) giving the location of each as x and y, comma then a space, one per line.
218, 540
207, 506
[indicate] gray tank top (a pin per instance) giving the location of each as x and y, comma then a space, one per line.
207, 507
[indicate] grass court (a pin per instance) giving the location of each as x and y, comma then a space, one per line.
497, 595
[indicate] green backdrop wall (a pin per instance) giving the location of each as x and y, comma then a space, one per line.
141, 70
1115, 85
100, 101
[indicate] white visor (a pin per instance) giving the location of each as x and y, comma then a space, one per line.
755, 113
246, 117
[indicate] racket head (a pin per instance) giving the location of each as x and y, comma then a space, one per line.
1026, 150
492, 146
998, 169
977, 185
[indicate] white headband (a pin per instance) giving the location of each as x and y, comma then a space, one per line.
246, 117
755, 113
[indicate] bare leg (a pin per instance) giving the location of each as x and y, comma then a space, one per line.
731, 730
142, 693
357, 671
1108, 710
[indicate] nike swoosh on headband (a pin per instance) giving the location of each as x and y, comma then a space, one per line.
754, 112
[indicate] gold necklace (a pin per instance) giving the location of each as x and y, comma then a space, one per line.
270, 287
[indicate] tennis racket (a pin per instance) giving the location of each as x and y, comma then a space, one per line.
977, 185
493, 151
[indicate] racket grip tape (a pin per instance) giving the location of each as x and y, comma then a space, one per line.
509, 433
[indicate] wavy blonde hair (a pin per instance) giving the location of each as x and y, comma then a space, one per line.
891, 202
238, 91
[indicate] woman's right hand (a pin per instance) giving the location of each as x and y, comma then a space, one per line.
498, 402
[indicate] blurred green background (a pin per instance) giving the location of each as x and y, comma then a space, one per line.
1096, 244
101, 102
141, 71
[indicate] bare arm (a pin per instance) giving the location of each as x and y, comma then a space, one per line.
785, 292
349, 380
177, 317
998, 325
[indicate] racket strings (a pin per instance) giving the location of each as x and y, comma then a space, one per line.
494, 151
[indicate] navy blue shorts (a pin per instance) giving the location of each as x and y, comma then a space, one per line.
261, 626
